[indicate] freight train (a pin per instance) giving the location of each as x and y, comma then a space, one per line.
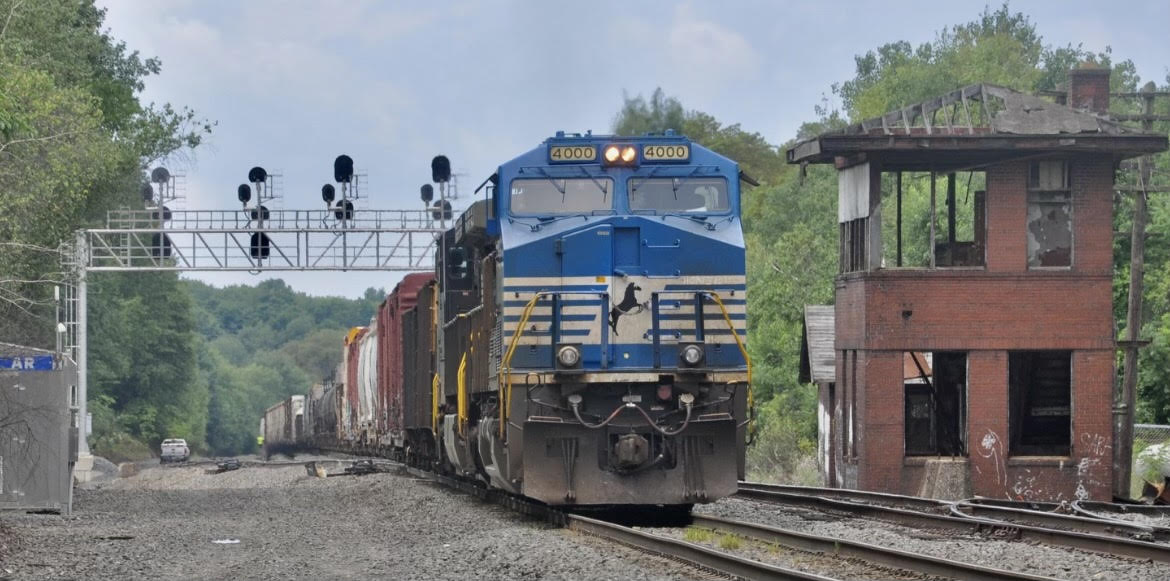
581, 340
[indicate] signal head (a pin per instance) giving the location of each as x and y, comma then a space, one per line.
160, 175
441, 210
427, 193
440, 169
244, 193
257, 175
328, 193
147, 192
343, 169
343, 210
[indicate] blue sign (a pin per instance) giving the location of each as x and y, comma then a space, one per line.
32, 363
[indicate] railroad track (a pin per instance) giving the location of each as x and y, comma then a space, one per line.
727, 563
870, 553
1113, 537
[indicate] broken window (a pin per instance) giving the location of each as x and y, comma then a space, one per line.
935, 384
1040, 402
853, 237
928, 222
1050, 232
853, 217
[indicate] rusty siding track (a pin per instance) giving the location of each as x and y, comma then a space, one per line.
869, 553
812, 498
1041, 514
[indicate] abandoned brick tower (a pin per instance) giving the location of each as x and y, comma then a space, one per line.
974, 340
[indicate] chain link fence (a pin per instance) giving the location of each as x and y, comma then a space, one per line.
1151, 449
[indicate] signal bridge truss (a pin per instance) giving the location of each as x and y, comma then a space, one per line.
244, 240
251, 240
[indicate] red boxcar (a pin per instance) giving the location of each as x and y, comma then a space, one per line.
391, 428
350, 364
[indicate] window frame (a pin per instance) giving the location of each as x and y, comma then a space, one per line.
962, 417
612, 194
1014, 447
643, 179
1067, 189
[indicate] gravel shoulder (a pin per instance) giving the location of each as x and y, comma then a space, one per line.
163, 523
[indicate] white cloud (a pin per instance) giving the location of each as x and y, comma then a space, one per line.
709, 50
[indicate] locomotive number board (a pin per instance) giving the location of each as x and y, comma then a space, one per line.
570, 153
677, 152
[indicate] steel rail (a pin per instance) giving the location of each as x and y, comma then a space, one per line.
1074, 522
1109, 545
690, 553
1000, 510
864, 551
1085, 507
850, 494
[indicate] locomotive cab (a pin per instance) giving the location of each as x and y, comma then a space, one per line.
595, 326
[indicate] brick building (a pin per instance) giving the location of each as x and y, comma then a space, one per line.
974, 333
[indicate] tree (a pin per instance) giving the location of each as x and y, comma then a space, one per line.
74, 140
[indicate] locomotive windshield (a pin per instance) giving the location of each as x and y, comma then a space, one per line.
544, 196
687, 195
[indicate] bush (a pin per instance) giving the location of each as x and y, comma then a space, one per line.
785, 446
118, 447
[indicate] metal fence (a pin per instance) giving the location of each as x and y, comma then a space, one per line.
1145, 435
1151, 449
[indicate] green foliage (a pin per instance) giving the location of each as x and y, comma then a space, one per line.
262, 344
999, 47
142, 356
729, 542
697, 535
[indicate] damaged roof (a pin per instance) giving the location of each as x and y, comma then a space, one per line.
818, 362
980, 118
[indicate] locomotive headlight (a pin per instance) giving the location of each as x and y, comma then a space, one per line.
691, 355
620, 154
568, 356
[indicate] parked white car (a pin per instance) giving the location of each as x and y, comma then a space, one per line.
174, 450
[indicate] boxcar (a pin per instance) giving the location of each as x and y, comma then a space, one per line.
391, 426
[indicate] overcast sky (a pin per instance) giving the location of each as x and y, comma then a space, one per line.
293, 84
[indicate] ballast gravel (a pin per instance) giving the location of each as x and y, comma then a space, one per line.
280, 523
1036, 559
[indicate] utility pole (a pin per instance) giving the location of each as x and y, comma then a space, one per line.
1123, 465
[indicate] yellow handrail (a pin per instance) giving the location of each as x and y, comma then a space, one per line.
506, 365
435, 405
461, 395
751, 401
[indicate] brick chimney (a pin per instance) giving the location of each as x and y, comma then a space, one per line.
1088, 88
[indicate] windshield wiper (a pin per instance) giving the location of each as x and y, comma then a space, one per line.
646, 177
697, 219
553, 181
601, 186
546, 220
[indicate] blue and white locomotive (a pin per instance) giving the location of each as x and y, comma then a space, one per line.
594, 325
